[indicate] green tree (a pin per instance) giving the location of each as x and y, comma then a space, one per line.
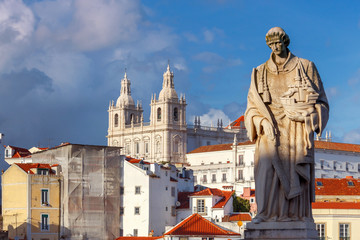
240, 204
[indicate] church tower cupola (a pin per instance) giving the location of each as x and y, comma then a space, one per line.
125, 98
168, 89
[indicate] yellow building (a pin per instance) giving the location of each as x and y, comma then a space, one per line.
337, 208
30, 201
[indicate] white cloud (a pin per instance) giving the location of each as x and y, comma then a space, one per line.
208, 36
16, 20
211, 118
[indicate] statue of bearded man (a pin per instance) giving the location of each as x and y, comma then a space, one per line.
286, 105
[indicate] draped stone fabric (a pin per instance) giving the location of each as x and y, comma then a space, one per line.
284, 166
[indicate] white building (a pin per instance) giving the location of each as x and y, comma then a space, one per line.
167, 137
224, 166
212, 204
150, 195
336, 160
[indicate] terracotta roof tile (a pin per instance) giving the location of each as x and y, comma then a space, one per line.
138, 238
226, 195
337, 146
218, 147
335, 205
26, 167
237, 217
337, 186
196, 225
237, 123
20, 152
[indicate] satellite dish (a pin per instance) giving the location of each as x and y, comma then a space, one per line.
178, 204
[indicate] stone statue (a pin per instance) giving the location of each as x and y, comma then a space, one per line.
286, 105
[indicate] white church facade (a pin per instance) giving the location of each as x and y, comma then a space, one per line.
167, 137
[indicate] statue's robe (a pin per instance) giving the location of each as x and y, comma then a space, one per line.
284, 167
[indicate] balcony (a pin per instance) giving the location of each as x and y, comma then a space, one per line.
240, 164
200, 210
224, 180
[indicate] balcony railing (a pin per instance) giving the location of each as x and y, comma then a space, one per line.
200, 210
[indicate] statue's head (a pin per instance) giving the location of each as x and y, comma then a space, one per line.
276, 34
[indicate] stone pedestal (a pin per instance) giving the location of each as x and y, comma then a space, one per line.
281, 230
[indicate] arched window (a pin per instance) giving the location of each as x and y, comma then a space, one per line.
158, 146
132, 118
159, 114
176, 114
116, 120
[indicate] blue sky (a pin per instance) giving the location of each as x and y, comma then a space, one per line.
62, 61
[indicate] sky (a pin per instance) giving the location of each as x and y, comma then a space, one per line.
62, 61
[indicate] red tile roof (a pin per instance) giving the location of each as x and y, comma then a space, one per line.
20, 152
196, 225
237, 217
218, 147
138, 238
226, 195
318, 145
237, 122
337, 146
335, 205
28, 166
134, 160
337, 186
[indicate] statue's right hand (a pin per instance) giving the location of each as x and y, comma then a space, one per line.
268, 129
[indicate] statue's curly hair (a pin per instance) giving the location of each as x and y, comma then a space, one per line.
277, 32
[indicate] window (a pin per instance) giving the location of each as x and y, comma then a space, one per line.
159, 114
176, 114
319, 184
137, 210
137, 148
44, 222
204, 179
146, 147
166, 208
195, 179
135, 232
208, 143
252, 200
240, 175
132, 119
121, 190
224, 177
121, 211
200, 203
241, 160
173, 211
344, 233
173, 191
44, 196
176, 145
213, 178
320, 227
7, 153
116, 120
42, 171
137, 190
350, 183
166, 188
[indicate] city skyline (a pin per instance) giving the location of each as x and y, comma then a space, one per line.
62, 61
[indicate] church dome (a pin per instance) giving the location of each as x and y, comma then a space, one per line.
126, 100
168, 93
